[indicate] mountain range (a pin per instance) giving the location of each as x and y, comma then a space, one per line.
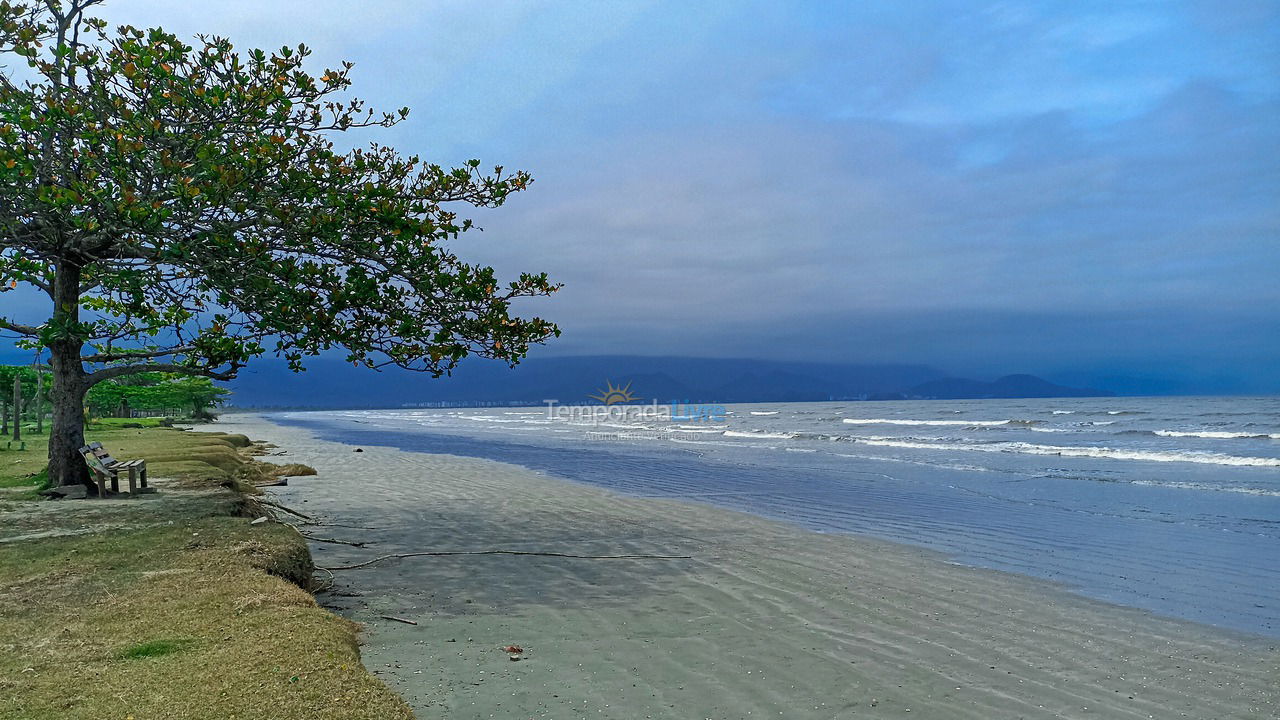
330, 383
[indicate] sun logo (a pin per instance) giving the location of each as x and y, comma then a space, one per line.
613, 395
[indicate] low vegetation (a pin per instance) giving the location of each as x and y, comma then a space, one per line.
171, 605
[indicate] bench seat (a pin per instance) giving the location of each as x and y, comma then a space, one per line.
107, 469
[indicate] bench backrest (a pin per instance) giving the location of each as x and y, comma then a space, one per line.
95, 464
101, 453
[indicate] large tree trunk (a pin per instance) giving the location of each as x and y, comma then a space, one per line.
66, 435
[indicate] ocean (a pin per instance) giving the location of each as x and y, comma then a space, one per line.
1166, 504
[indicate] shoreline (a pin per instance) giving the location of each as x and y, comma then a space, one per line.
765, 618
1098, 527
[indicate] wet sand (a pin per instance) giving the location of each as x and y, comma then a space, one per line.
763, 620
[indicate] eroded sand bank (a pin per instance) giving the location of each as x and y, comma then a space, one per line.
765, 620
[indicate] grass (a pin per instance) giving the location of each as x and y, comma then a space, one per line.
23, 481
132, 422
167, 606
154, 648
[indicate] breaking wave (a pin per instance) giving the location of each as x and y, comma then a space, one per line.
1216, 434
759, 435
962, 423
1207, 458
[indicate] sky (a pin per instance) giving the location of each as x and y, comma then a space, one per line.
1085, 190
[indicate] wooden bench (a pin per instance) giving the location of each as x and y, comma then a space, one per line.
106, 468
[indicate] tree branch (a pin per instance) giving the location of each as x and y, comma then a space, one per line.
116, 371
27, 330
135, 355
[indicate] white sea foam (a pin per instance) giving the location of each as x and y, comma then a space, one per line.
1217, 434
710, 442
759, 435
882, 421
761, 412
1064, 412
622, 426
1068, 451
1206, 486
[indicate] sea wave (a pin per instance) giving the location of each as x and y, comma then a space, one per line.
759, 435
762, 412
1207, 458
1216, 434
882, 421
1206, 486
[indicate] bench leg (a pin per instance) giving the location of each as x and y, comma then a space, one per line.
102, 485
115, 481
142, 475
133, 481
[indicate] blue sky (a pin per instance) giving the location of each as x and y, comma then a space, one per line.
1086, 190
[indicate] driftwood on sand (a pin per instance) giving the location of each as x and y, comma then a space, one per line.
399, 619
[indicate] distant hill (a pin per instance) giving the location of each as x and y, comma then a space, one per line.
775, 386
1009, 386
329, 383
332, 383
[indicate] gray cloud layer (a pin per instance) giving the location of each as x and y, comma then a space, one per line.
1068, 187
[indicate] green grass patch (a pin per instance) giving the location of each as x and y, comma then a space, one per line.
17, 467
154, 648
194, 459
36, 480
22, 488
109, 423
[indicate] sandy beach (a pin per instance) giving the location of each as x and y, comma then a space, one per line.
761, 620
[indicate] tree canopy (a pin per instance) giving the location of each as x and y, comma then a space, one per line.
212, 219
185, 208
156, 391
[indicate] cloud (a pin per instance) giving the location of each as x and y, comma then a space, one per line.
1060, 185
775, 221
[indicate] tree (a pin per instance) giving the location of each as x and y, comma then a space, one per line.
31, 399
185, 209
194, 393
156, 391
